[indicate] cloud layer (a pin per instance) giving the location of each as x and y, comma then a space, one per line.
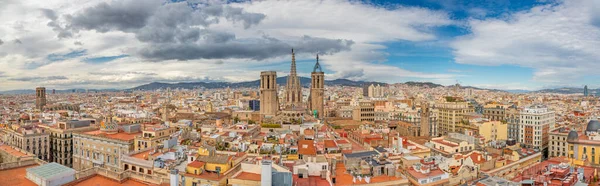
559, 41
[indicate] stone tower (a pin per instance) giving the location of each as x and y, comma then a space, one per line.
40, 97
293, 91
425, 126
317, 90
269, 103
165, 113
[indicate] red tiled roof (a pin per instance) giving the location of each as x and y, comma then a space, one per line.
306, 147
248, 176
196, 164
330, 144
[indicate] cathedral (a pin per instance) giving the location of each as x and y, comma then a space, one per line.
293, 106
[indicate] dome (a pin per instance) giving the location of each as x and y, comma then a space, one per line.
593, 126
572, 136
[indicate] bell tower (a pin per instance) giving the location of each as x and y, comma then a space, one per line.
317, 90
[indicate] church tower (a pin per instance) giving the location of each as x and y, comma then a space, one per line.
425, 126
40, 97
269, 103
317, 90
293, 91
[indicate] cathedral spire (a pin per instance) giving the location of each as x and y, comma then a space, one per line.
293, 70
293, 88
317, 66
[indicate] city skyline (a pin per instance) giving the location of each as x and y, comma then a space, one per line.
526, 45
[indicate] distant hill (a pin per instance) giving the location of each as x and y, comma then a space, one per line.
568, 90
304, 81
423, 84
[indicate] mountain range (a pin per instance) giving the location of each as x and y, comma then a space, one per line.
304, 81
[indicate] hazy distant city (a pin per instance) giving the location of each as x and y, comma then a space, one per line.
299, 93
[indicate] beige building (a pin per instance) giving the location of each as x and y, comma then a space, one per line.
558, 142
446, 146
30, 138
493, 130
365, 111
269, 103
152, 136
104, 147
450, 114
495, 112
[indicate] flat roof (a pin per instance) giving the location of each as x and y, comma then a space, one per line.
248, 176
361, 154
50, 170
104, 181
123, 136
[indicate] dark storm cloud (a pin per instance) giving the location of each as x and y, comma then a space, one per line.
54, 24
17, 41
50, 14
181, 31
78, 43
39, 78
257, 49
118, 15
1, 42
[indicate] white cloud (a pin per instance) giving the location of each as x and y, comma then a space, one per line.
559, 41
288, 21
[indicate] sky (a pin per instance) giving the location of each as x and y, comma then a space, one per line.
500, 44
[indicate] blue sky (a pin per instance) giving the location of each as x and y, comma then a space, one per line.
500, 44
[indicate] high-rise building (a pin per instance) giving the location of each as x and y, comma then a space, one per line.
269, 103
293, 91
536, 123
317, 90
40, 97
585, 91
375, 91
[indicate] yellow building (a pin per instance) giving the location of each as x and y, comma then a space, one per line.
493, 130
212, 169
584, 147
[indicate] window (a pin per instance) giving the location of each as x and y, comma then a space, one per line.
324, 167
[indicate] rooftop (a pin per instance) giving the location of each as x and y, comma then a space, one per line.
8, 149
49, 170
248, 176
98, 180
123, 136
16, 176
361, 154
